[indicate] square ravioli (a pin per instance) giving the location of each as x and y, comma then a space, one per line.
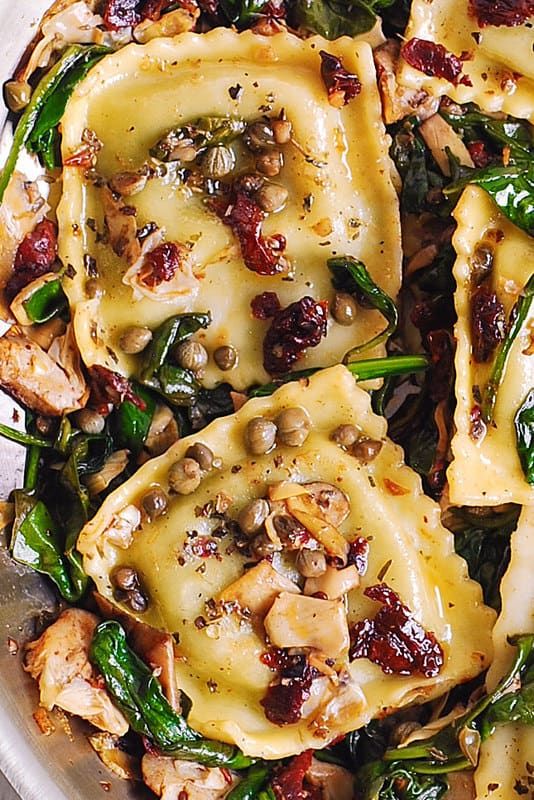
235, 595
498, 59
336, 170
486, 469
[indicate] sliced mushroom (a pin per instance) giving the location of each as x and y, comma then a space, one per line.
59, 662
258, 588
332, 504
122, 764
298, 621
178, 21
399, 101
334, 583
122, 227
170, 778
49, 383
440, 136
115, 464
334, 782
324, 532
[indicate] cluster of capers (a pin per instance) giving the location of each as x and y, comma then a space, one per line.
361, 447
186, 473
128, 589
291, 427
264, 139
193, 355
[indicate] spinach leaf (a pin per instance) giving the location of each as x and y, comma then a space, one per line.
242, 12
416, 167
35, 543
138, 694
511, 188
515, 134
131, 424
251, 784
524, 432
518, 316
43, 108
335, 18
72, 508
484, 543
517, 707
211, 404
379, 780
22, 437
47, 302
351, 275
171, 332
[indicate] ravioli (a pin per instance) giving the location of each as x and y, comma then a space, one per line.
218, 664
341, 198
499, 60
487, 471
505, 755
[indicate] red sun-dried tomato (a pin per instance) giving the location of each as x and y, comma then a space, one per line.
243, 215
162, 263
284, 700
479, 153
358, 554
394, 639
293, 329
435, 61
110, 387
35, 256
265, 305
341, 85
488, 323
433, 314
501, 12
289, 783
119, 14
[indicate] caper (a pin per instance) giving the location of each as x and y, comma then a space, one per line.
482, 262
281, 130
89, 421
225, 357
366, 450
293, 426
310, 563
137, 601
184, 476
344, 308
128, 183
134, 340
253, 515
201, 454
218, 161
125, 578
260, 435
346, 435
269, 163
272, 197
155, 503
17, 94
262, 547
44, 425
93, 288
258, 136
191, 355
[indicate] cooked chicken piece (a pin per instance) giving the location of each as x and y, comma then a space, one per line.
169, 778
440, 136
49, 383
21, 209
399, 101
59, 662
335, 783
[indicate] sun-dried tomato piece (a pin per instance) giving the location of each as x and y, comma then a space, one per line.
162, 263
243, 215
265, 305
501, 12
358, 554
38, 247
488, 323
110, 387
341, 85
479, 153
394, 639
295, 328
284, 700
433, 314
435, 61
289, 783
119, 14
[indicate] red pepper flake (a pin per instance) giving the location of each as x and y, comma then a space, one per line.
394, 639
477, 426
395, 488
488, 323
265, 305
479, 153
243, 215
341, 85
35, 256
110, 387
162, 263
293, 329
509, 13
289, 781
203, 547
435, 61
358, 554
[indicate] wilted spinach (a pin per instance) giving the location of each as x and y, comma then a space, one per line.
334, 18
524, 432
